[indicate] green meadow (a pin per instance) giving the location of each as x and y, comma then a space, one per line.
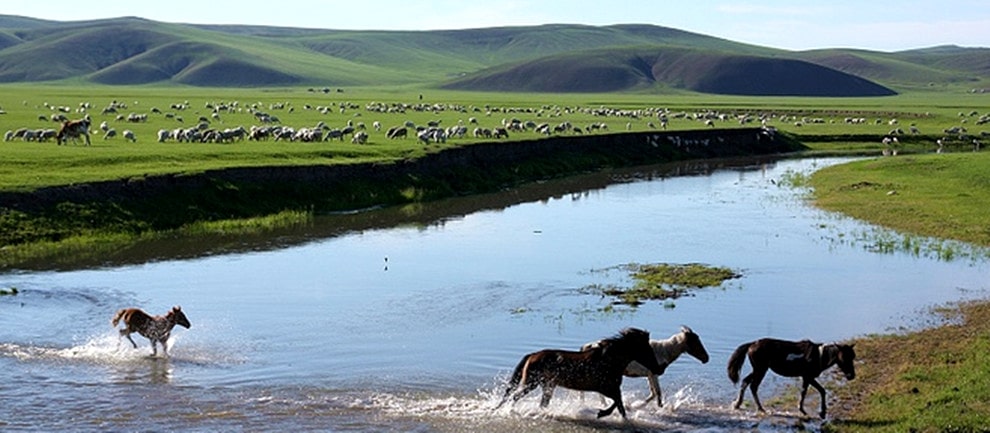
825, 125
822, 123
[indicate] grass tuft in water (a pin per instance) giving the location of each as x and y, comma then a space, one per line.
665, 282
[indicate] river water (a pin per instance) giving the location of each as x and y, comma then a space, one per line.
410, 319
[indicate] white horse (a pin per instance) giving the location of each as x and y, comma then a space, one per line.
667, 351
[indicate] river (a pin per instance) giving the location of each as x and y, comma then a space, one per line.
410, 319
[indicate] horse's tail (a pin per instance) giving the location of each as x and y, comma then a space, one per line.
517, 374
117, 317
517, 377
736, 361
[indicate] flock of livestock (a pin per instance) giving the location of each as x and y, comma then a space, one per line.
546, 120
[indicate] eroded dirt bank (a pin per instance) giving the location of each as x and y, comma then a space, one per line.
462, 170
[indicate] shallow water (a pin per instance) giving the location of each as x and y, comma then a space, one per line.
409, 319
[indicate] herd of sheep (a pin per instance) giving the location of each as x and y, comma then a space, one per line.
546, 120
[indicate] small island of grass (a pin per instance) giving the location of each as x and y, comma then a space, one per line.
666, 281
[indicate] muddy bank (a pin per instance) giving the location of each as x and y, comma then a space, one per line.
461, 170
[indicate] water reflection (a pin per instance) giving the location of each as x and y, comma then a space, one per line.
419, 215
148, 371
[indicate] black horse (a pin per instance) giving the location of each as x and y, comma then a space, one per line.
596, 369
802, 359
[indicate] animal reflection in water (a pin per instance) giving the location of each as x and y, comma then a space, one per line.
596, 369
155, 328
802, 359
666, 352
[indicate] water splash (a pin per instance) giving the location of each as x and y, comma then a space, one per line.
109, 349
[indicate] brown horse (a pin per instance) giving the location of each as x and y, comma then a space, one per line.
596, 369
155, 328
802, 359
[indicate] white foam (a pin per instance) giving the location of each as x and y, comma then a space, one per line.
109, 349
684, 410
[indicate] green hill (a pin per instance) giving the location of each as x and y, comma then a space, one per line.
553, 58
699, 70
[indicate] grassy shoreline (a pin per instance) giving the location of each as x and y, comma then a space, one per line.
933, 380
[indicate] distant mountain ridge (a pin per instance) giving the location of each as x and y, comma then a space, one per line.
546, 58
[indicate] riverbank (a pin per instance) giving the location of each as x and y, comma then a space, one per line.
934, 380
72, 222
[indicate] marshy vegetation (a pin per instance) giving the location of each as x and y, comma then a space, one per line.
663, 281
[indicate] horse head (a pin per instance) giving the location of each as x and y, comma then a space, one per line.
693, 343
635, 346
179, 317
844, 357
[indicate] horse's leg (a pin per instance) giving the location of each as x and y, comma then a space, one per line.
525, 390
616, 396
608, 411
127, 334
655, 389
754, 388
742, 391
821, 391
752, 381
164, 347
804, 392
547, 395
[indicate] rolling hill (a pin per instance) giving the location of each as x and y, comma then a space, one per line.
547, 58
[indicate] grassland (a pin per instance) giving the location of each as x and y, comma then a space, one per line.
943, 196
27, 166
33, 165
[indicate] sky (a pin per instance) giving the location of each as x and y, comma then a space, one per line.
882, 25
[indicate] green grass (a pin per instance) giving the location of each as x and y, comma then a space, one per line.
27, 166
944, 196
663, 281
30, 165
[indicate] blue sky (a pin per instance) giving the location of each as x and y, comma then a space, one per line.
796, 25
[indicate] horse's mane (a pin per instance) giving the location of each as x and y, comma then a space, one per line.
628, 333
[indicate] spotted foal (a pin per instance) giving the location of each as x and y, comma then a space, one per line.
155, 328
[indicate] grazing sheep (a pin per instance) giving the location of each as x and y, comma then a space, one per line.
129, 136
45, 135
360, 137
334, 133
111, 133
397, 132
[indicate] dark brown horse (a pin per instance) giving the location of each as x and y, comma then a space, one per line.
155, 328
597, 369
802, 359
